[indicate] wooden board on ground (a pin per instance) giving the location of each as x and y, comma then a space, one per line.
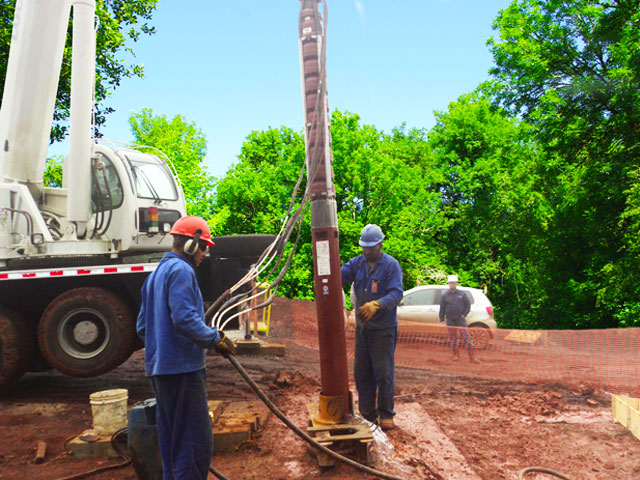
237, 423
431, 444
524, 336
626, 412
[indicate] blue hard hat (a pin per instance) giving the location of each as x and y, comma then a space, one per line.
371, 236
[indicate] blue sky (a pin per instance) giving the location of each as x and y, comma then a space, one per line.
232, 66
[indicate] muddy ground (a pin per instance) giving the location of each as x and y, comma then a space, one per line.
450, 426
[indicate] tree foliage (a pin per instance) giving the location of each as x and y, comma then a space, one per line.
119, 24
384, 179
494, 199
185, 145
572, 69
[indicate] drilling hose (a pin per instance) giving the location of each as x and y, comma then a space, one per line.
298, 431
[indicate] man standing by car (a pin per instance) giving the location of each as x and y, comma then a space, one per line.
171, 324
454, 308
377, 283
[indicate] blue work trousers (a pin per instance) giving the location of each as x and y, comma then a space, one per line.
459, 327
184, 425
373, 369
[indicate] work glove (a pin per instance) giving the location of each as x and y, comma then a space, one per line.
225, 346
368, 310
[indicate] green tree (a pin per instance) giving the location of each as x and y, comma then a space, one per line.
572, 69
53, 172
384, 179
120, 23
495, 200
186, 146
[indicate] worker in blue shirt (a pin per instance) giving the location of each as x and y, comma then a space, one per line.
377, 284
171, 324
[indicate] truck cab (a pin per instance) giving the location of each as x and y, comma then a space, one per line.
135, 199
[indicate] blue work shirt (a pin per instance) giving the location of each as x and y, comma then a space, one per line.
171, 319
383, 283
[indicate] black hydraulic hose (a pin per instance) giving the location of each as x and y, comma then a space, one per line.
217, 473
99, 204
524, 471
297, 430
110, 197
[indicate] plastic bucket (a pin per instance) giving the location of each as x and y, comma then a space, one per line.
109, 410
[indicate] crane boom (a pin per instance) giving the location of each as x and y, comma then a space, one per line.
31, 84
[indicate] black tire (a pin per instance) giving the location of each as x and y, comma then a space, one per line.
232, 246
17, 345
86, 332
480, 335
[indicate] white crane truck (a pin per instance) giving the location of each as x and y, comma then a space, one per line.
73, 259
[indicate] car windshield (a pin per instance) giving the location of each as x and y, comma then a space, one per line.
152, 178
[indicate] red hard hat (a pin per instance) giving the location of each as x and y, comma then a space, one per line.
188, 226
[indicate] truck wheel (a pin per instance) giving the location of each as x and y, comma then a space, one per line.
231, 246
17, 345
480, 335
86, 332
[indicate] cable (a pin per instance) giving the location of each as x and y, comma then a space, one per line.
217, 473
297, 430
524, 471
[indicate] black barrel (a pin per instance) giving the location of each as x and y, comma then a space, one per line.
143, 441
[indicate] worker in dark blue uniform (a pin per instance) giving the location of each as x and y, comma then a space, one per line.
454, 308
171, 324
377, 284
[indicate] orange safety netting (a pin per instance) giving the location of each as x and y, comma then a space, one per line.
608, 360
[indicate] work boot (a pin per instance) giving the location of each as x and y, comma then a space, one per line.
387, 424
372, 418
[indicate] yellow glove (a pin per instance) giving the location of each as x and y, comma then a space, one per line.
368, 310
225, 346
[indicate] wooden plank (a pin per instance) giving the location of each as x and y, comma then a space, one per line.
216, 407
524, 336
430, 444
625, 413
41, 451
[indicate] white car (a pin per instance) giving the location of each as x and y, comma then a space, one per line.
421, 305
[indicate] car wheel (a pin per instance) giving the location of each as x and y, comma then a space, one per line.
17, 344
480, 334
86, 332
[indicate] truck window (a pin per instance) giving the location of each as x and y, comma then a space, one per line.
153, 180
106, 189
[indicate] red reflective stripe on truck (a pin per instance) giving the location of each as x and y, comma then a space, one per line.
70, 272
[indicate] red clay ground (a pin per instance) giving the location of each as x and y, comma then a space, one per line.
451, 427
